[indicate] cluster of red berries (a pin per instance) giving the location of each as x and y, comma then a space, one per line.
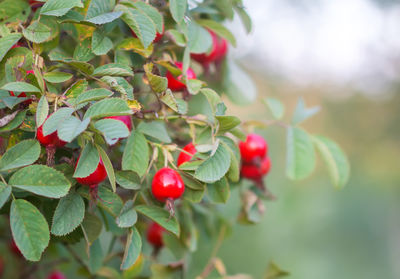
255, 160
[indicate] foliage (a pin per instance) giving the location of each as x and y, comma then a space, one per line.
79, 62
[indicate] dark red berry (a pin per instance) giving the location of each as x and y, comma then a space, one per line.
22, 95
256, 171
51, 140
254, 148
126, 119
167, 184
154, 235
175, 83
56, 275
218, 50
95, 177
35, 4
156, 39
14, 248
184, 157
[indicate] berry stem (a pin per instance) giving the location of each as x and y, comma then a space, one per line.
259, 183
51, 151
171, 208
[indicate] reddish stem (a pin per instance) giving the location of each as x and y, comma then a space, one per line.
51, 151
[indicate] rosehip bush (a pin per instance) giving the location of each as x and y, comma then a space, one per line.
114, 138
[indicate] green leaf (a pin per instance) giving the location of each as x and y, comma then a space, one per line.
219, 191
22, 154
168, 98
157, 83
302, 113
274, 272
14, 11
69, 214
6, 42
140, 23
42, 111
15, 123
112, 129
57, 77
29, 229
93, 95
120, 85
191, 182
41, 180
212, 97
276, 107
108, 200
136, 45
108, 166
156, 130
83, 51
219, 29
227, 123
59, 7
5, 192
88, 161
104, 18
335, 159
72, 127
100, 43
96, 256
178, 9
160, 216
108, 107
128, 216
152, 13
215, 167
38, 32
91, 227
77, 88
113, 69
199, 39
245, 18
56, 119
136, 154
20, 86
194, 196
300, 160
177, 37
128, 180
234, 169
194, 86
133, 249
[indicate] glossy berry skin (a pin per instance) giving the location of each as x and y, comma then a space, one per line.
256, 171
254, 148
51, 140
56, 275
183, 157
218, 50
126, 119
158, 37
95, 177
154, 235
167, 184
175, 84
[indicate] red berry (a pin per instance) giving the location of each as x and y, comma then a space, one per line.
16, 45
218, 50
56, 275
14, 248
255, 147
95, 177
175, 84
22, 95
154, 235
184, 157
256, 171
126, 119
167, 184
51, 140
156, 39
35, 4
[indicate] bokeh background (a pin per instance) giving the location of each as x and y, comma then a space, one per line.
344, 56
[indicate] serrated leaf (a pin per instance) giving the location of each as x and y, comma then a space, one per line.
68, 215
177, 37
234, 169
6, 42
104, 18
56, 119
128, 180
57, 77
108, 166
219, 29
300, 160
136, 154
38, 32
212, 97
14, 11
108, 107
59, 7
178, 9
112, 129
199, 39
93, 95
156, 130
136, 45
133, 247
168, 98
41, 180
215, 167
113, 69
227, 123
42, 111
83, 51
29, 229
5, 192
157, 83
275, 106
77, 88
91, 227
100, 43
15, 123
194, 196
128, 216
160, 216
302, 113
20, 86
22, 154
219, 191
72, 127
335, 159
152, 13
88, 161
120, 85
